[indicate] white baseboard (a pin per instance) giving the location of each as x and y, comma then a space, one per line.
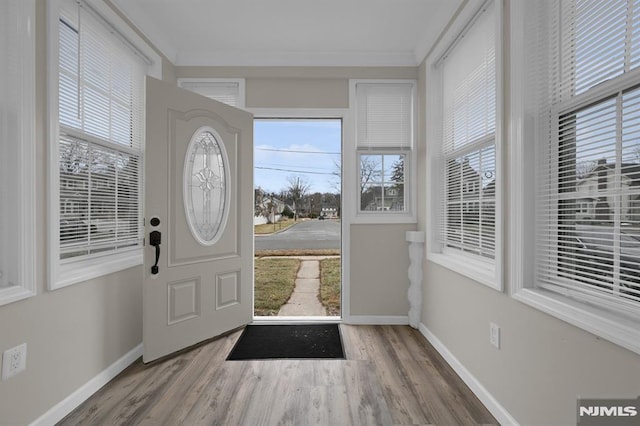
492, 404
377, 320
67, 405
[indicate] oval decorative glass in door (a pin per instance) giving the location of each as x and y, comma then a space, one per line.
206, 180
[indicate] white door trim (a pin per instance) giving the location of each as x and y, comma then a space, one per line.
346, 200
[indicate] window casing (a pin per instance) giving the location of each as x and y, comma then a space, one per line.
384, 112
578, 158
17, 151
97, 144
466, 179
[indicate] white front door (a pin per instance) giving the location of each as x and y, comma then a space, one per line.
199, 207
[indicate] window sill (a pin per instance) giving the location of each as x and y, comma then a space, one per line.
83, 270
14, 293
617, 328
469, 266
384, 218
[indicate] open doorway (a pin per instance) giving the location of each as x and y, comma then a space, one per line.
297, 217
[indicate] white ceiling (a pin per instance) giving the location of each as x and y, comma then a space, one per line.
291, 32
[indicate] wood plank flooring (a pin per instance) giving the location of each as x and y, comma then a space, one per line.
392, 376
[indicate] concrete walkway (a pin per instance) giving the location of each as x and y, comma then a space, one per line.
304, 299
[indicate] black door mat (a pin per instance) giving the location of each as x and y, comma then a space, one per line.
305, 341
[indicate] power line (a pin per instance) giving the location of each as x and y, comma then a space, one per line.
294, 171
298, 152
289, 165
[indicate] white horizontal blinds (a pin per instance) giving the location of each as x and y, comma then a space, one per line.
468, 138
601, 43
225, 92
588, 209
99, 204
101, 114
628, 202
101, 88
469, 84
470, 203
384, 115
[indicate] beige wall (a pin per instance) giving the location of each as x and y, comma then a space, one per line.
544, 364
297, 93
378, 265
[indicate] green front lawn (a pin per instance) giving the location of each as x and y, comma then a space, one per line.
330, 286
274, 283
270, 228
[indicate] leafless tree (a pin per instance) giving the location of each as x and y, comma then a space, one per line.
298, 189
369, 171
583, 168
336, 182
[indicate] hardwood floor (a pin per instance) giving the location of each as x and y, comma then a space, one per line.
392, 376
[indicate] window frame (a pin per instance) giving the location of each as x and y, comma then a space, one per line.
385, 153
62, 273
485, 271
353, 153
525, 132
24, 167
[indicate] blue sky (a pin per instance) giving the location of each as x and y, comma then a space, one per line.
308, 148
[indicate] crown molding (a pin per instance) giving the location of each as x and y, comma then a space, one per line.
296, 58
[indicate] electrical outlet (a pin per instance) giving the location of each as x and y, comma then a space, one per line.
14, 361
494, 335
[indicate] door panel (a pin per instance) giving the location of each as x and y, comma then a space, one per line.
204, 281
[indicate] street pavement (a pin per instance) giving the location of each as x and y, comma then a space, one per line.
308, 234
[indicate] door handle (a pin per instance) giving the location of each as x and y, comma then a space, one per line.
154, 239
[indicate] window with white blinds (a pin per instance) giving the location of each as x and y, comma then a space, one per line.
468, 137
228, 91
101, 140
588, 233
384, 114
